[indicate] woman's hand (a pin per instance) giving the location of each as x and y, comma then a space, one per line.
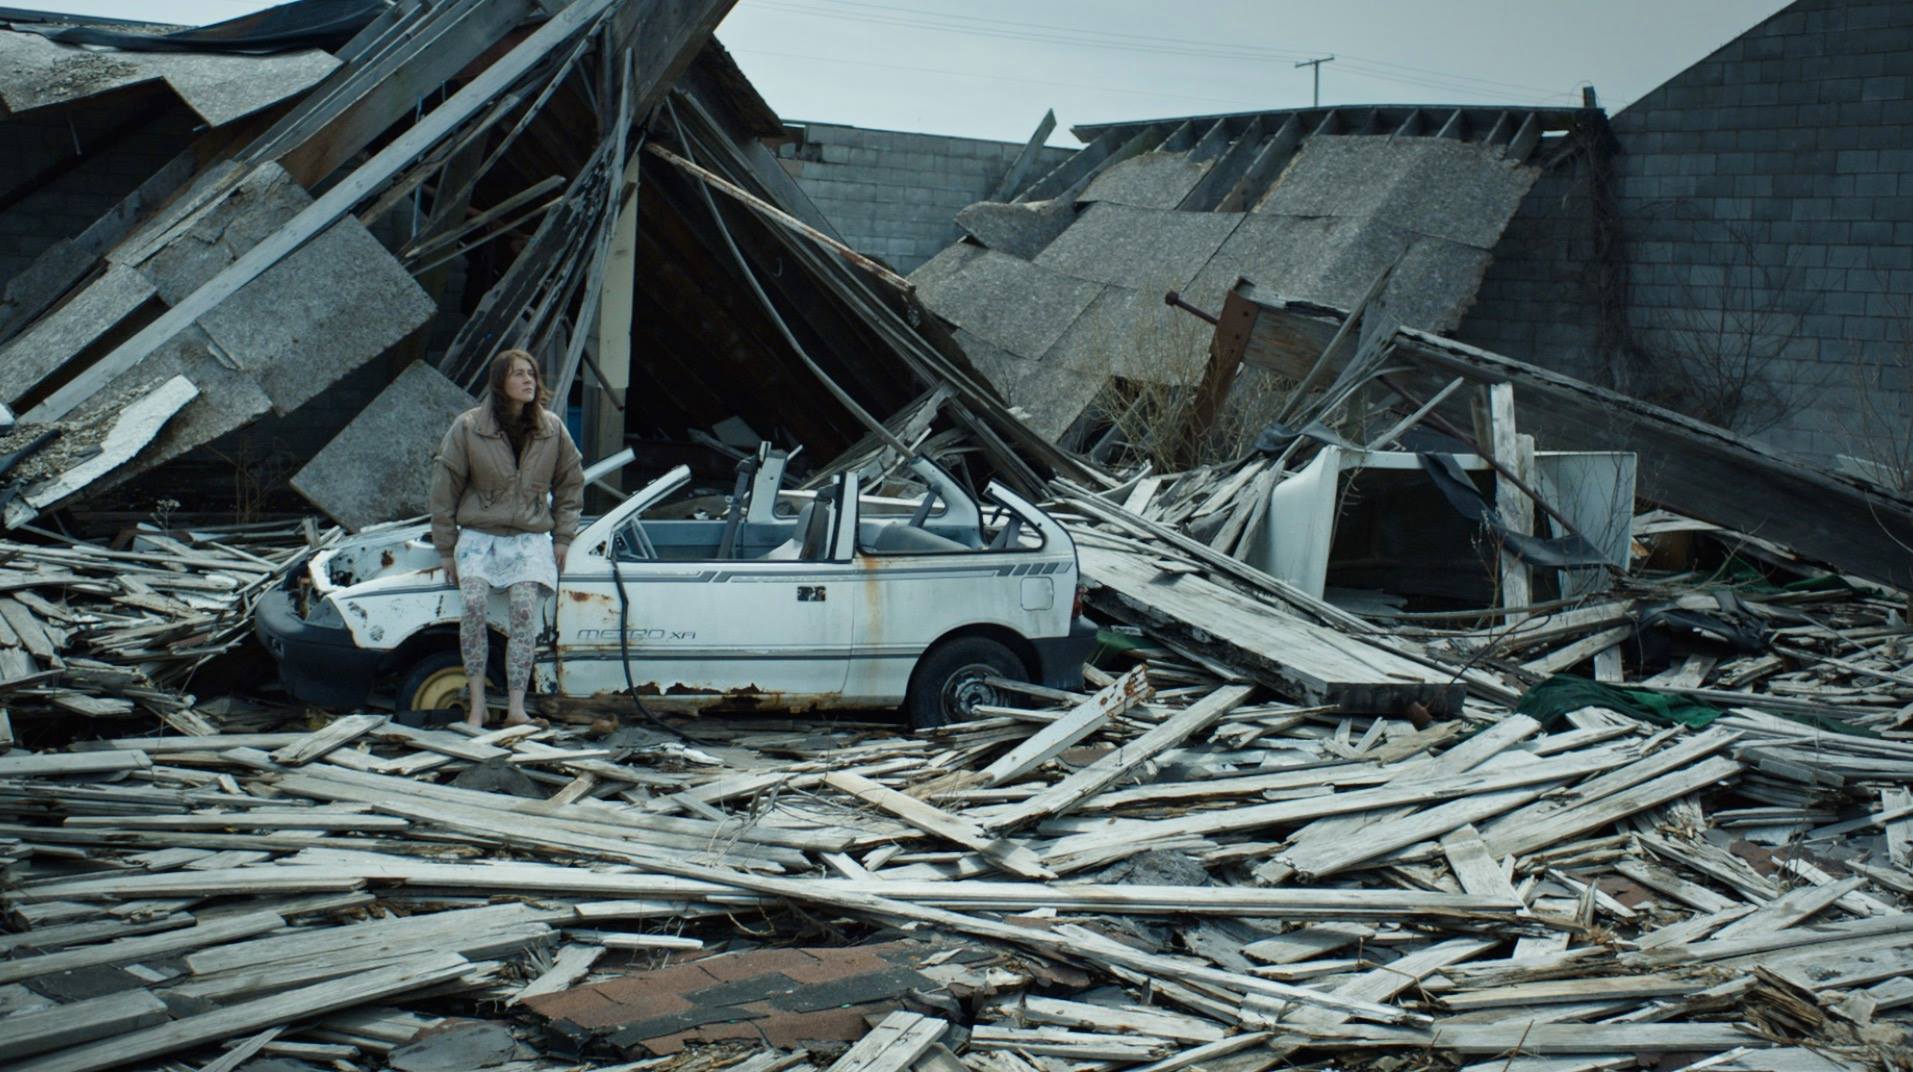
558, 552
451, 570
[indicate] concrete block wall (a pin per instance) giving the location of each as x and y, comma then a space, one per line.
1765, 207
38, 140
895, 195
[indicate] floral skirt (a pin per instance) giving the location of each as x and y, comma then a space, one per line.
507, 560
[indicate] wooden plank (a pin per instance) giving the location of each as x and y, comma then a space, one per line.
1536, 826
61, 764
1268, 163
29, 630
1018, 172
1790, 908
449, 929
1133, 1019
1558, 991
1599, 813
405, 977
1075, 1045
336, 734
1081, 721
128, 950
1096, 946
893, 1045
243, 880
26, 1033
157, 746
259, 819
1474, 866
1893, 928
1899, 833
1579, 651
1528, 1037
1320, 857
1661, 880
243, 1052
647, 831
1514, 506
1013, 857
1112, 766
92, 930
1312, 663
1388, 796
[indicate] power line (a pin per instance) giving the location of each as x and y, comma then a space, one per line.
1089, 37
812, 57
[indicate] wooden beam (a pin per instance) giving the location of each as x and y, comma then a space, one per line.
1074, 170
1019, 170
342, 115
1524, 139
26, 1033
1013, 857
1268, 163
1079, 722
1514, 506
1070, 792
1222, 176
405, 977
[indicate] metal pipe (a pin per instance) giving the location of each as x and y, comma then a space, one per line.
1174, 301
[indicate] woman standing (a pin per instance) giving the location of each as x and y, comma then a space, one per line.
507, 490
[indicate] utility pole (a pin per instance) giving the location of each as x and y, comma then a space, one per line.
1317, 64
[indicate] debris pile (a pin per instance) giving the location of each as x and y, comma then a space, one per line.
96, 632
1505, 777
1174, 867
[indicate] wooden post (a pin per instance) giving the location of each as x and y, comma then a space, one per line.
605, 416
1516, 509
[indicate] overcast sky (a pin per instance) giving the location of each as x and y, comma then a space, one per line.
988, 68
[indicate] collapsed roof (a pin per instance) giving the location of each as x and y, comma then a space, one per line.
422, 191
1062, 286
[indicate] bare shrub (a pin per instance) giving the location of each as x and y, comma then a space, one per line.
1715, 352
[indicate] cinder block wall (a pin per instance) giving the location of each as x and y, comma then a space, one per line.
895, 195
107, 168
1764, 201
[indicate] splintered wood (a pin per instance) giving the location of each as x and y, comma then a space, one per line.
102, 633
1313, 882
1261, 831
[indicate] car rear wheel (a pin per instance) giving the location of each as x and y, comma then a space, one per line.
435, 683
952, 681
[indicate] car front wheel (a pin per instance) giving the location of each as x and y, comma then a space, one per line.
952, 681
437, 682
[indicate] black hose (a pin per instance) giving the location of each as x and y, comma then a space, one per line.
624, 647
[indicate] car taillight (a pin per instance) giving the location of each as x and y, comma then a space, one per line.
1076, 607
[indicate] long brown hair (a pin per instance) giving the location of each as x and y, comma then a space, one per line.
521, 430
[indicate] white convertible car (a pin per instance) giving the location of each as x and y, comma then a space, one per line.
766, 598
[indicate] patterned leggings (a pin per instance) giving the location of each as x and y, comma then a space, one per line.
473, 638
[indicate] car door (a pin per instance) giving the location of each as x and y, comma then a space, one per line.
744, 632
923, 590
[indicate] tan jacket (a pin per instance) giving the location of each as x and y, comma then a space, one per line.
477, 484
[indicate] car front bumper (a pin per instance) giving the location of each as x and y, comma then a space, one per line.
318, 664
1059, 660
